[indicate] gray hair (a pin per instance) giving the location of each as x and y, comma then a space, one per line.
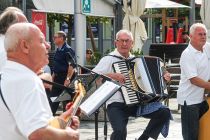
13, 9
124, 31
195, 26
9, 17
17, 32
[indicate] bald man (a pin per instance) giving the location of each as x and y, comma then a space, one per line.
28, 116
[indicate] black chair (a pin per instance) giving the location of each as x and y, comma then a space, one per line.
174, 69
167, 51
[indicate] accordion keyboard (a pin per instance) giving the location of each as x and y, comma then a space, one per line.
130, 87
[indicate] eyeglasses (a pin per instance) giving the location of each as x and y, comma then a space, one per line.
122, 41
57, 36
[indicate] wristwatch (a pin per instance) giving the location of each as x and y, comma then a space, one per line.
68, 78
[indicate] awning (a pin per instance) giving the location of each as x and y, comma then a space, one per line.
67, 7
164, 4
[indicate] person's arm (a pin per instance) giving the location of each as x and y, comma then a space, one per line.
69, 75
117, 76
50, 132
200, 83
48, 77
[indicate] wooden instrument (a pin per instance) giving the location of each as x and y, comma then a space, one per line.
80, 93
204, 125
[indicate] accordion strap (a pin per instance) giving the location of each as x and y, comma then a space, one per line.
119, 57
3, 96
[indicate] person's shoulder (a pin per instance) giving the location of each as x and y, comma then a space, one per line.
207, 44
68, 48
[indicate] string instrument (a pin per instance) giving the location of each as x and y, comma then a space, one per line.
79, 95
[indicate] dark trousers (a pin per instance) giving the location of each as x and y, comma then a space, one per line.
157, 120
119, 113
190, 119
59, 78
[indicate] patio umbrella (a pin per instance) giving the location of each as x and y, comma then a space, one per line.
198, 2
204, 12
133, 23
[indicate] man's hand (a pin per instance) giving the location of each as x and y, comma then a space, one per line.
167, 76
66, 82
72, 133
68, 115
118, 77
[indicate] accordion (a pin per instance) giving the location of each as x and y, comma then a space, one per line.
144, 79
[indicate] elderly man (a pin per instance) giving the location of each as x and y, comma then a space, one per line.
118, 112
9, 16
25, 111
195, 72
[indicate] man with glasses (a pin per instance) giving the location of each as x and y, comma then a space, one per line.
117, 111
62, 71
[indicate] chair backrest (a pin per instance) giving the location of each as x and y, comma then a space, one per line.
167, 51
173, 68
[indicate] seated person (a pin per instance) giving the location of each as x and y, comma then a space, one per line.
89, 56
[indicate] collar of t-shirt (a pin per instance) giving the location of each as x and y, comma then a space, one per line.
195, 50
115, 52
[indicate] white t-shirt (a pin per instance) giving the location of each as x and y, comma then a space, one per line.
25, 96
193, 63
3, 56
105, 67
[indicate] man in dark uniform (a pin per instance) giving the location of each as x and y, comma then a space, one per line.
62, 71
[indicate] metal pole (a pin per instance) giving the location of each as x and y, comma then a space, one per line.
192, 12
80, 32
100, 38
24, 6
118, 17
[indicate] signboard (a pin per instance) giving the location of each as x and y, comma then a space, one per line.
39, 19
86, 6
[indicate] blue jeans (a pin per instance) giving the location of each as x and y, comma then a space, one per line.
190, 117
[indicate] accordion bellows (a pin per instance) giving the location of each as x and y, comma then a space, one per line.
144, 79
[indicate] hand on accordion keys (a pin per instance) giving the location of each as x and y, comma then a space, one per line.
118, 77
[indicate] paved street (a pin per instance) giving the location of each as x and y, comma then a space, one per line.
135, 127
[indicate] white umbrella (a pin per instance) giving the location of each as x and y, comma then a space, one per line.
164, 4
198, 2
204, 12
133, 23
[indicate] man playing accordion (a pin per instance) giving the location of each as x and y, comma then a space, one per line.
118, 112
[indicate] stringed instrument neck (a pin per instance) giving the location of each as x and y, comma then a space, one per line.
80, 93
